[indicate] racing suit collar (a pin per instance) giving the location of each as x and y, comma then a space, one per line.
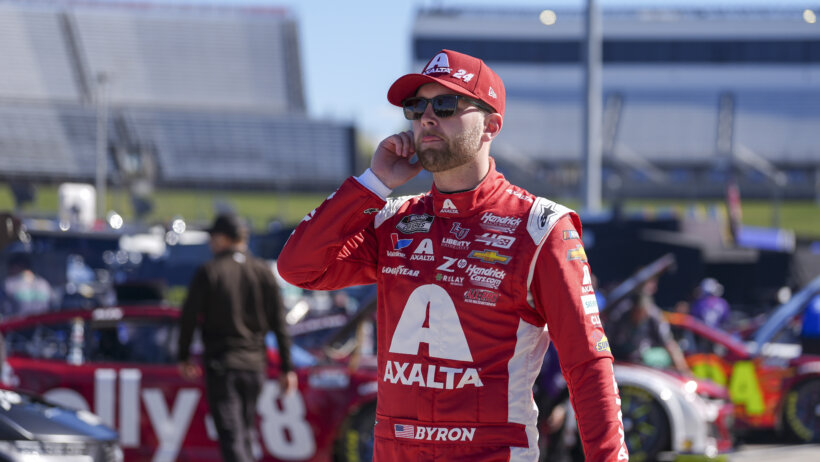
467, 203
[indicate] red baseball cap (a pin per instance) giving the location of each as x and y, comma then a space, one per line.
461, 73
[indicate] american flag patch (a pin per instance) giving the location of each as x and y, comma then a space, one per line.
404, 431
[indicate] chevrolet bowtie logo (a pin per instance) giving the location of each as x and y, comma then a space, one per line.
577, 253
490, 256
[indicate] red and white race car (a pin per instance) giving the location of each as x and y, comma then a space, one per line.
120, 363
774, 385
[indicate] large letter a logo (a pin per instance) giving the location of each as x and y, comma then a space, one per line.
438, 64
445, 337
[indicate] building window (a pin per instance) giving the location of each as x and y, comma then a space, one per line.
629, 51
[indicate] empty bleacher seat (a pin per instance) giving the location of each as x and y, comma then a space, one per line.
35, 59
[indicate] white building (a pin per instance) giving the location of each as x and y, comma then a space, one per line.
687, 93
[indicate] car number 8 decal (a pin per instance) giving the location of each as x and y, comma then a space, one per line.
285, 431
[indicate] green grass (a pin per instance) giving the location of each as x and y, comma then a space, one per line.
198, 206
801, 216
195, 206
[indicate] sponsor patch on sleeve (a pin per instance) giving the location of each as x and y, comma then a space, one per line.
599, 341
570, 234
577, 253
590, 304
544, 214
587, 276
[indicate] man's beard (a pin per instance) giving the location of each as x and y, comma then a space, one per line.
456, 152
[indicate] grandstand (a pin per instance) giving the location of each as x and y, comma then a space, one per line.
47, 141
690, 95
211, 95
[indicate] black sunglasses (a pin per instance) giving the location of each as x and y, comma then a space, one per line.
443, 106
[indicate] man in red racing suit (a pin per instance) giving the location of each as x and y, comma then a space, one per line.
474, 279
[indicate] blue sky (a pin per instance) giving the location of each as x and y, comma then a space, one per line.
352, 50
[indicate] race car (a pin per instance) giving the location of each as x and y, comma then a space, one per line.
668, 413
665, 414
773, 385
34, 429
120, 363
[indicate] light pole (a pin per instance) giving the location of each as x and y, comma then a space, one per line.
102, 142
591, 193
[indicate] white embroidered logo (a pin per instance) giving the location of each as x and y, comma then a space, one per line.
590, 304
448, 207
492, 93
587, 277
439, 64
424, 251
444, 335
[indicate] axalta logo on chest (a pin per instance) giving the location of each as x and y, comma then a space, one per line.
433, 377
424, 252
418, 326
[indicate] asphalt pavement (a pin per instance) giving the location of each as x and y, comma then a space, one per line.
776, 452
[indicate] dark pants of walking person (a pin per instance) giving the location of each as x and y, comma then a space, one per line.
232, 397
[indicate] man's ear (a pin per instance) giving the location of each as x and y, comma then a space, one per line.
492, 126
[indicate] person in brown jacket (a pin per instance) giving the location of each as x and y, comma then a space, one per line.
235, 301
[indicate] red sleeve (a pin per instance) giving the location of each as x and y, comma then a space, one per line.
563, 295
335, 245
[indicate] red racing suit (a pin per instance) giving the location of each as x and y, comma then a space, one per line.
472, 286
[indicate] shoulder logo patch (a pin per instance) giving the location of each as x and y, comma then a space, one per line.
544, 214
